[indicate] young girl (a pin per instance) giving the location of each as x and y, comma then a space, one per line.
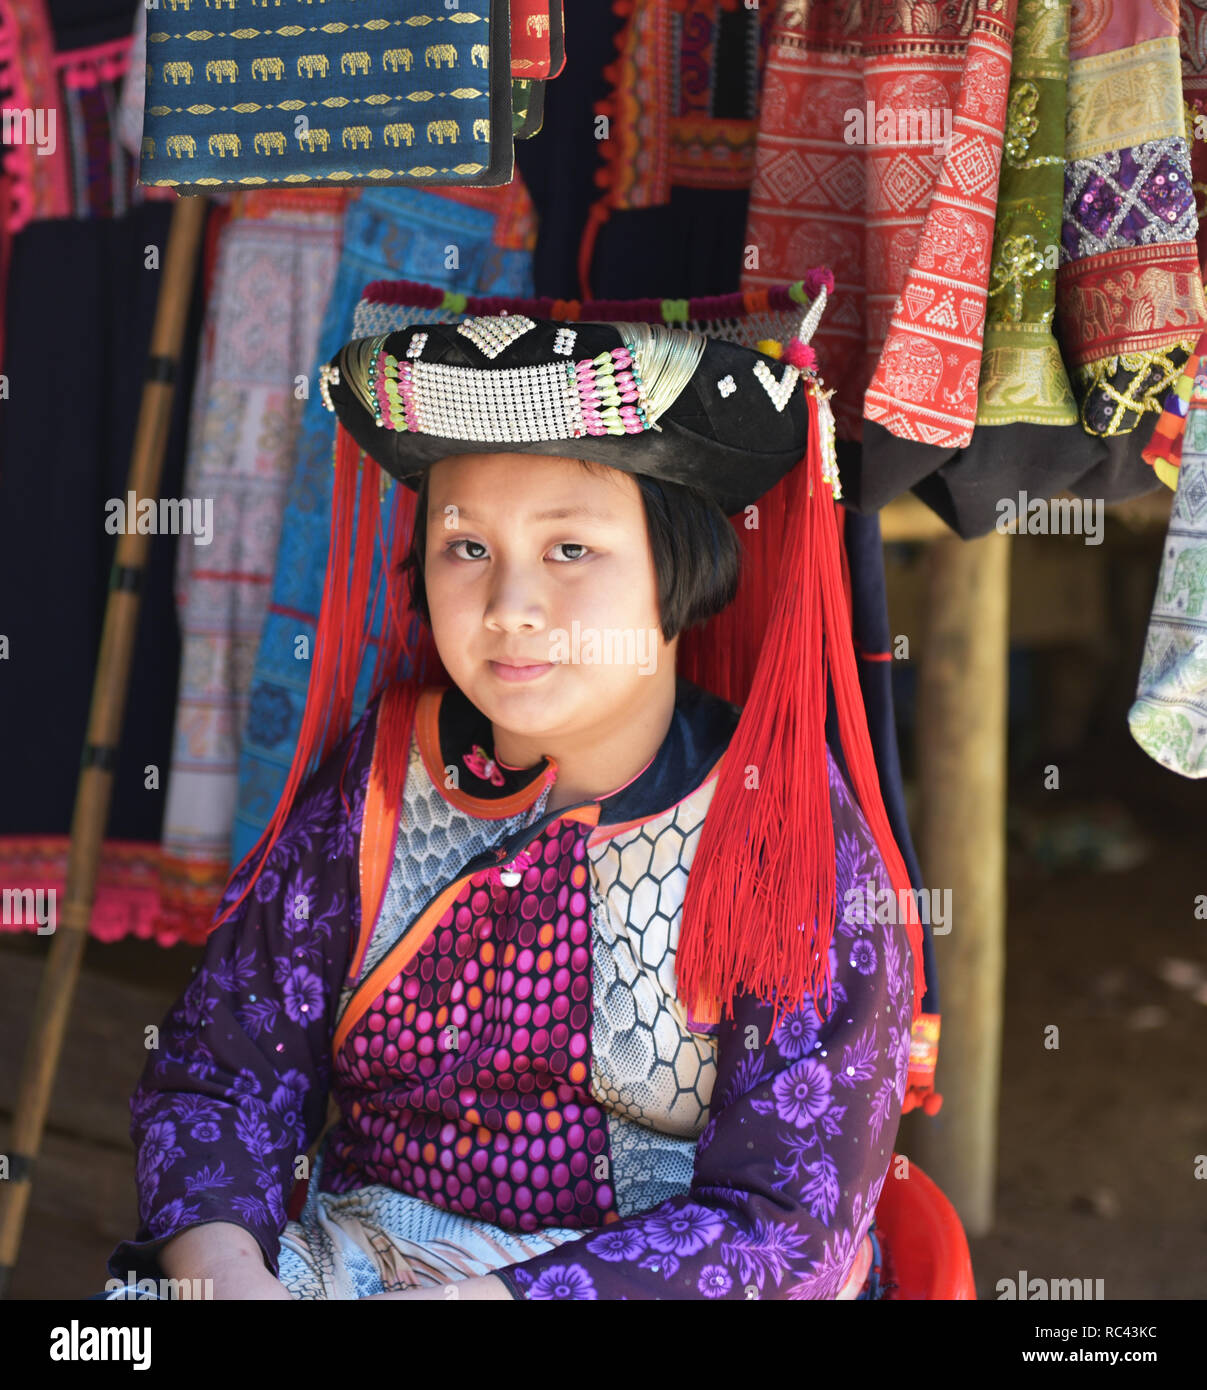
558, 932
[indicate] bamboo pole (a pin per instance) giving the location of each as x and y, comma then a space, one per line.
111, 682
962, 846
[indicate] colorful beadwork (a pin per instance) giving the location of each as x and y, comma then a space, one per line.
563, 344
597, 395
417, 345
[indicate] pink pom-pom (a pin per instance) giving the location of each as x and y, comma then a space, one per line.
818, 277
800, 355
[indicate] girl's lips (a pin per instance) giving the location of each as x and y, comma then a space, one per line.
520, 673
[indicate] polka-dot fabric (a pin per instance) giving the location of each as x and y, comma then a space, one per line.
466, 1081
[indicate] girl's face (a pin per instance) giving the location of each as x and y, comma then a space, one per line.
542, 592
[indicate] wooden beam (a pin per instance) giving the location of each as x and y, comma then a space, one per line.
962, 691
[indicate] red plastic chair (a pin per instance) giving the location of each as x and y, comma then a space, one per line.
923, 1247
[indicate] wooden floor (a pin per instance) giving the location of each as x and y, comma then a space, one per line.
83, 1200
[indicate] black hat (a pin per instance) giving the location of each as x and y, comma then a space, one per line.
664, 402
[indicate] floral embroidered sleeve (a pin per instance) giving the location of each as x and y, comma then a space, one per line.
238, 1084
789, 1167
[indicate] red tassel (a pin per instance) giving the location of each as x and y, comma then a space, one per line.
759, 909
341, 638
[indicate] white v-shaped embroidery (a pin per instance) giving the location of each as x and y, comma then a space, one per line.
780, 391
492, 334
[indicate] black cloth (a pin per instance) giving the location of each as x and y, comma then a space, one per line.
80, 306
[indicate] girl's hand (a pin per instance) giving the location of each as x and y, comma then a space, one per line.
484, 1286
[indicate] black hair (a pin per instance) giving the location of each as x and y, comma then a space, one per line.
697, 555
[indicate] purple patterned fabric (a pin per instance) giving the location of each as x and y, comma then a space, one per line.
796, 1139
238, 1085
1131, 197
789, 1167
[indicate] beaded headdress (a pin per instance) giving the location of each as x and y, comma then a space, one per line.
747, 424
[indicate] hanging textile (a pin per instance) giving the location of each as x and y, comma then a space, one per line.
1022, 375
904, 216
478, 239
1169, 717
1130, 298
275, 265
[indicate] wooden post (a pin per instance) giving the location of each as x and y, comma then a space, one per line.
110, 684
962, 693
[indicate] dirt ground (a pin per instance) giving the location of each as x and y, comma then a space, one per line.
1098, 1140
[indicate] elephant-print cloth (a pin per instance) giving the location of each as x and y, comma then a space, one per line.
513, 1071
1169, 717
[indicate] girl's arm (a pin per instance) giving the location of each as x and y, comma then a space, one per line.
237, 1086
790, 1165
226, 1255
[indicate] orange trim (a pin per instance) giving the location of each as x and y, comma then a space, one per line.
379, 832
395, 960
427, 728
608, 832
403, 952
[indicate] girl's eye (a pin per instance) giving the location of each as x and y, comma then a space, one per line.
571, 545
453, 548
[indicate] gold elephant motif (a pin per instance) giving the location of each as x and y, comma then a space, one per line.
148, 147
310, 63
399, 131
479, 51
538, 24
225, 143
173, 72
176, 4
270, 142
482, 128
354, 62
441, 53
263, 4
443, 128
396, 58
218, 68
181, 144
356, 135
218, 4
316, 135
267, 67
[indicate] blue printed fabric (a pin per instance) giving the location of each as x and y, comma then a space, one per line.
339, 92
389, 233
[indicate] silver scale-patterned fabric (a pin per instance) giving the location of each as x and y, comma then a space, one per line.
433, 847
653, 1075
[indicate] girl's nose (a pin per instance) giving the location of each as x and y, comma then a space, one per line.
515, 603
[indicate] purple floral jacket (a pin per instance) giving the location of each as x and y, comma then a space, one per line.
503, 1041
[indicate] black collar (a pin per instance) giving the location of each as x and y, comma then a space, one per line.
700, 730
